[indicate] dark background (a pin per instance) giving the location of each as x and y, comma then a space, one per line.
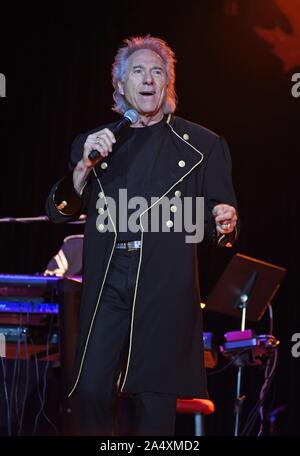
57, 61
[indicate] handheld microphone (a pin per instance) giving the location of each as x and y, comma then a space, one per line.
130, 117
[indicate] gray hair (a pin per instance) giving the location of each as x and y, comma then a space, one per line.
120, 65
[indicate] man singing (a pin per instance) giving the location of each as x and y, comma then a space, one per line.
140, 328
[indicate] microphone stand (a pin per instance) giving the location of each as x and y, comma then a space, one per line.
241, 303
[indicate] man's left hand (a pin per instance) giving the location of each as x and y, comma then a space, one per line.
225, 218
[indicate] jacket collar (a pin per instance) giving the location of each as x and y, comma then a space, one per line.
177, 159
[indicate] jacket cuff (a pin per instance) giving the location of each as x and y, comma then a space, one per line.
67, 201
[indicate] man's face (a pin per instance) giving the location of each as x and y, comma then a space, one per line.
145, 82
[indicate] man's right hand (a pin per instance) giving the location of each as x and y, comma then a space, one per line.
102, 141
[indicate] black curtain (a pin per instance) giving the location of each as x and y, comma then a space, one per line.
57, 62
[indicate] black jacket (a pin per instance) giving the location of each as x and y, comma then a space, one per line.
166, 346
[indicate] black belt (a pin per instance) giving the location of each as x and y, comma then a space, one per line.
129, 245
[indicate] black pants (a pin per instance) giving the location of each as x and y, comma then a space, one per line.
95, 398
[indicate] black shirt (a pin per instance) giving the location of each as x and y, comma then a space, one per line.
141, 146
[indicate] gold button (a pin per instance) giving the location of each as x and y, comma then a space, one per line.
181, 163
101, 195
186, 137
101, 210
169, 223
104, 165
100, 227
173, 208
178, 193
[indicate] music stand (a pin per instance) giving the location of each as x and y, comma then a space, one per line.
244, 290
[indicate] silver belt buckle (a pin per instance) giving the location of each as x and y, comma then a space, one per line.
133, 245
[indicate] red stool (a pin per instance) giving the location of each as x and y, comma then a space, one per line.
199, 407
